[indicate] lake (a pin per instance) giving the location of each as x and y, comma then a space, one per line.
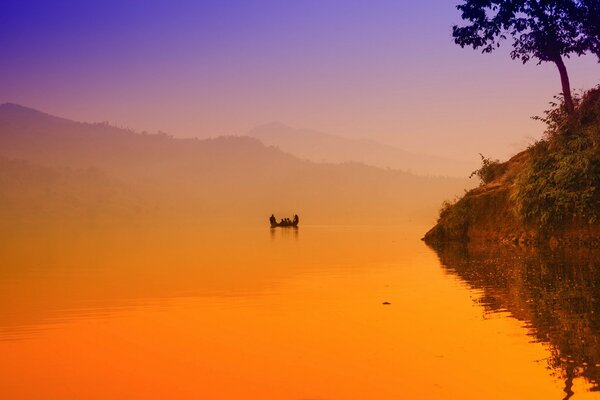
182, 311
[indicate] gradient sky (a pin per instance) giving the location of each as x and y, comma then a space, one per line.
385, 70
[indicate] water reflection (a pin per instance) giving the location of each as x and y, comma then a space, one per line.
50, 274
555, 293
184, 310
286, 232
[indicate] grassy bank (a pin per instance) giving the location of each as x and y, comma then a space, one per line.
548, 193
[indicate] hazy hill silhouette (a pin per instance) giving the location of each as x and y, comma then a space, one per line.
223, 179
29, 191
323, 147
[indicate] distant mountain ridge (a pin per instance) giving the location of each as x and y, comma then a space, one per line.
222, 179
323, 147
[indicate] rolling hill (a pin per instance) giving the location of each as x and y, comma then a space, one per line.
322, 147
226, 179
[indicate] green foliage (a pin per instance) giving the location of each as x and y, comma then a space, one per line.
556, 117
561, 181
456, 215
489, 171
446, 208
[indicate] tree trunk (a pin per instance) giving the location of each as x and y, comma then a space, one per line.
566, 86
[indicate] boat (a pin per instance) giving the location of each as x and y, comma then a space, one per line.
284, 223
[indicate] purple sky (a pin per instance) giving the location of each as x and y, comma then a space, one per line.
385, 70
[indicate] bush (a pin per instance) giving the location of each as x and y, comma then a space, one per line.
456, 214
446, 207
489, 171
561, 182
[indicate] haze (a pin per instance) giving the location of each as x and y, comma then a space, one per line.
386, 71
154, 153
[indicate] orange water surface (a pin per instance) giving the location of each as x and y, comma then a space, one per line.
188, 312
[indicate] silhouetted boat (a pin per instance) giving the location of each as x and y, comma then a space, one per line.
284, 223
291, 224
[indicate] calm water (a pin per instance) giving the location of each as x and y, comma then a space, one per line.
182, 312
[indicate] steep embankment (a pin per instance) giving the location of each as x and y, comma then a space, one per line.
547, 194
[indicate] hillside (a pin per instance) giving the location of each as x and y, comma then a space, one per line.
322, 147
217, 180
548, 194
29, 191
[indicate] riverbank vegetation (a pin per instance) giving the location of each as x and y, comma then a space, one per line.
550, 191
561, 181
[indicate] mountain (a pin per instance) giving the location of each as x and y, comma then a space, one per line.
29, 191
226, 179
323, 147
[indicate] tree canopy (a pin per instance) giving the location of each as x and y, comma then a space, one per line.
544, 30
590, 25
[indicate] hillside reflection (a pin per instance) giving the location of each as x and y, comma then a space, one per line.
555, 293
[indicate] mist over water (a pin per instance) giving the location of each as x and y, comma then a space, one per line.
141, 266
56, 169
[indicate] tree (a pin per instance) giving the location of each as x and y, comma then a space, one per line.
589, 17
546, 30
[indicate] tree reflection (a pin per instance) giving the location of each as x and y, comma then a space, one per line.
555, 293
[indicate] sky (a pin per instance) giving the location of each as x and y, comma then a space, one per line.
385, 70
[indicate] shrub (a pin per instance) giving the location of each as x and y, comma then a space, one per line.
489, 171
456, 215
561, 181
446, 207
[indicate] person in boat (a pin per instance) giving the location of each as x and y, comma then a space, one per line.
296, 219
273, 220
